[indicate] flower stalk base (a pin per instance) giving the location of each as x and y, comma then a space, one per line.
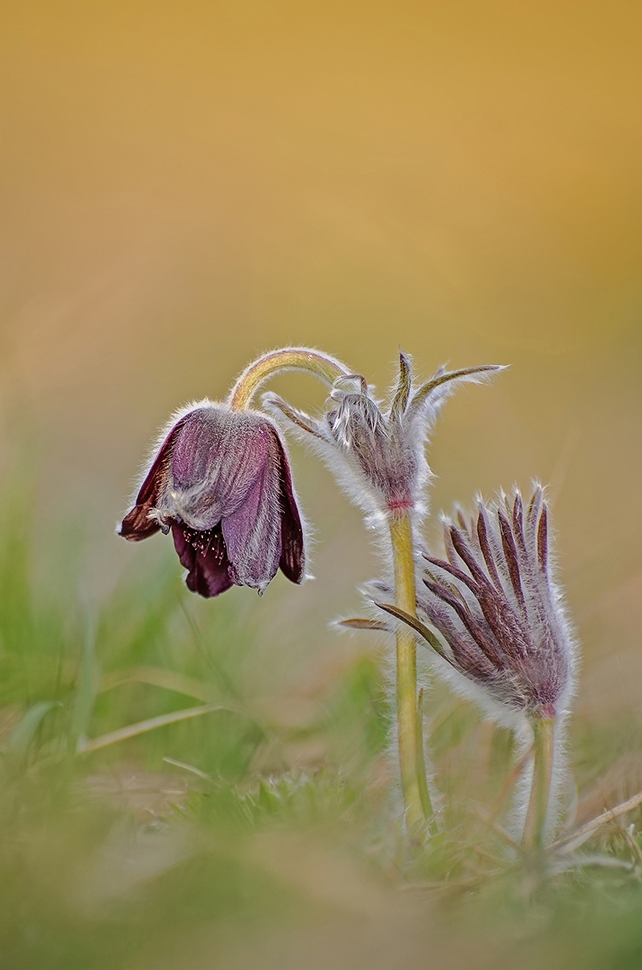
323, 366
537, 812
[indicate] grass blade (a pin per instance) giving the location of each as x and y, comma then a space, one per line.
143, 727
25, 730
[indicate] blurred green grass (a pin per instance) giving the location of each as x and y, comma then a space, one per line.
260, 831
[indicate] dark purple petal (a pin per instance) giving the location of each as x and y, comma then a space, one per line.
456, 572
451, 555
519, 648
504, 624
292, 561
204, 556
506, 640
253, 532
532, 521
510, 552
512, 639
479, 636
542, 540
496, 609
484, 545
137, 524
518, 520
216, 462
469, 659
465, 553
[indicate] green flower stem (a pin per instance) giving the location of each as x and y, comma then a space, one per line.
323, 366
411, 755
536, 815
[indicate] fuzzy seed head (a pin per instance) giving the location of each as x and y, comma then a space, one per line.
378, 452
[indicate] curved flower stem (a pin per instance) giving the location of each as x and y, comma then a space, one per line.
536, 815
323, 366
411, 754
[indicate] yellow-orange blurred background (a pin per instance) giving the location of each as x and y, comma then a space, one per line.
186, 185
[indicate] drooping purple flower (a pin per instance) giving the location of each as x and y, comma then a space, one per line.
378, 452
220, 481
498, 610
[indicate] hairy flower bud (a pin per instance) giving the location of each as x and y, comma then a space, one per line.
220, 480
378, 453
498, 610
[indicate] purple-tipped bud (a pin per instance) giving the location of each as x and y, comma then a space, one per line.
498, 609
221, 482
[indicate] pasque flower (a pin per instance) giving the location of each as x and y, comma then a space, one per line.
498, 610
493, 612
377, 452
220, 481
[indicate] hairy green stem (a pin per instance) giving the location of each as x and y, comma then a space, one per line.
538, 804
323, 366
409, 730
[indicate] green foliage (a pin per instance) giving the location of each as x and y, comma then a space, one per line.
134, 835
